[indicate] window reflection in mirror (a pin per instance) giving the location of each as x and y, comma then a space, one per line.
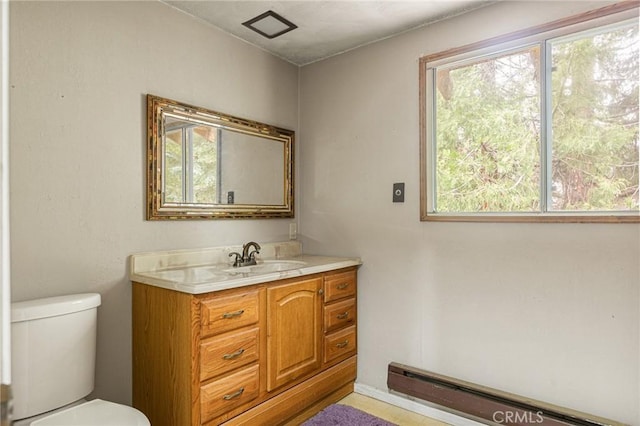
191, 169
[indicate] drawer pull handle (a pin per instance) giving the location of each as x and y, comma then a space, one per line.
342, 286
342, 345
233, 395
343, 316
235, 314
236, 354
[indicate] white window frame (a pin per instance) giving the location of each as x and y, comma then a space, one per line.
539, 35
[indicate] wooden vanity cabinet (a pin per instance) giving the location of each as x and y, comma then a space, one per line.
264, 354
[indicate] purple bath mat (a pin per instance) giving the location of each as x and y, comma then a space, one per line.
344, 415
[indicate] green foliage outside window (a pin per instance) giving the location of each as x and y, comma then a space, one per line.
491, 141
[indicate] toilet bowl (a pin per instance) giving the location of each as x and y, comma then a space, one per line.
90, 413
49, 380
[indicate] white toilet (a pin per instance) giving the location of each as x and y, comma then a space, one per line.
53, 352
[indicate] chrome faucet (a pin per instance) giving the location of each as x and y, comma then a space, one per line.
247, 258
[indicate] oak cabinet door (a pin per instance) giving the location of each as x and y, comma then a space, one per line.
294, 331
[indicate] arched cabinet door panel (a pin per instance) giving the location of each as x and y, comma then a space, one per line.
294, 331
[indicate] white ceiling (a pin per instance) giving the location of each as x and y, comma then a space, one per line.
325, 27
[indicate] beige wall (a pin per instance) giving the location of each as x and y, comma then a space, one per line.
78, 79
545, 310
262, 183
549, 311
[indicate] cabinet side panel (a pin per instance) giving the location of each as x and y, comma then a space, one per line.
164, 332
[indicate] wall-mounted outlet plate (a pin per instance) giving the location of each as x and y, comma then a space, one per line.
398, 192
293, 231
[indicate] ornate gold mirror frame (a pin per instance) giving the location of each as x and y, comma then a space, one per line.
202, 164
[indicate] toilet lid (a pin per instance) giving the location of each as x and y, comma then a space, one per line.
96, 413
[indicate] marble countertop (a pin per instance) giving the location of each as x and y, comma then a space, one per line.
206, 270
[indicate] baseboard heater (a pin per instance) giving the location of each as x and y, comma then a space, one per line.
482, 403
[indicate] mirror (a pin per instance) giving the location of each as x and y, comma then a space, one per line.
204, 164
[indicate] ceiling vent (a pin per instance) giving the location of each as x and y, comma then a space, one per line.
270, 24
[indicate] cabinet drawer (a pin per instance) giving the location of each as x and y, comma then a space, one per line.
338, 286
227, 352
227, 393
225, 313
340, 343
340, 314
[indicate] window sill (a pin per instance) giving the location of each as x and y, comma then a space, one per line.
571, 217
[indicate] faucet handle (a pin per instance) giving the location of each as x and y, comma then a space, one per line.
238, 260
252, 255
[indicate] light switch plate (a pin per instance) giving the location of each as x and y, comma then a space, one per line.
398, 192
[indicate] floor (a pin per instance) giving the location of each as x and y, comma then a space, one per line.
388, 412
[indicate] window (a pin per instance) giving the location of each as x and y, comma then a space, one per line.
541, 125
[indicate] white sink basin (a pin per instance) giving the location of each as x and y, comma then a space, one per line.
268, 266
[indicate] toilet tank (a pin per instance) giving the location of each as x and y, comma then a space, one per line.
53, 352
